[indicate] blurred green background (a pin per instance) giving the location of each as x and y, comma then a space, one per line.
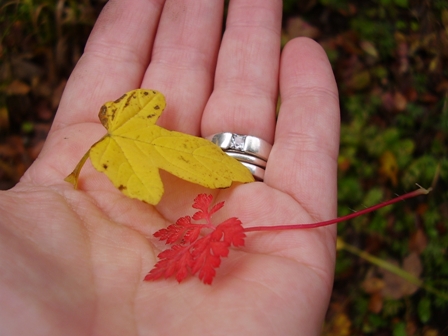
390, 63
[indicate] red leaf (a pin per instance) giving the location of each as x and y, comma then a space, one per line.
232, 232
216, 207
207, 271
172, 262
203, 202
194, 254
183, 231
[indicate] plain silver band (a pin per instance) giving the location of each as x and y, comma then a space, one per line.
245, 158
256, 171
252, 145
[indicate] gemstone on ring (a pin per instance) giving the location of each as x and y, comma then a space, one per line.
237, 142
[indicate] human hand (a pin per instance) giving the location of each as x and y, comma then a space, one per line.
73, 261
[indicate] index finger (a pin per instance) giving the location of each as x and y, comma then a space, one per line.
114, 61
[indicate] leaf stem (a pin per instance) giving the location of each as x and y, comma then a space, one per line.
73, 177
420, 191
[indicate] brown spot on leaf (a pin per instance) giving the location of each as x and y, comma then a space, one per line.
119, 99
122, 187
103, 115
157, 107
128, 100
105, 166
181, 157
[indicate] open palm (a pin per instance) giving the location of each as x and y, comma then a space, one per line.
73, 261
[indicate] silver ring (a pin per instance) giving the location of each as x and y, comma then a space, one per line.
247, 159
251, 151
246, 144
256, 171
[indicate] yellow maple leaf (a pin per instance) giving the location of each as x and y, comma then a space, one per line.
135, 148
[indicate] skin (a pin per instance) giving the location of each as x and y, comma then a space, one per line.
73, 260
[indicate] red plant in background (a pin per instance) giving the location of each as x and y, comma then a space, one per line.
192, 253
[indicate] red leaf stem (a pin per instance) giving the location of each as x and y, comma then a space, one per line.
420, 191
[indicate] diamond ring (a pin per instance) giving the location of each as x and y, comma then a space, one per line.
251, 151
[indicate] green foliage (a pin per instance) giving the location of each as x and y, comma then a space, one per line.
401, 3
373, 323
343, 263
440, 4
424, 309
360, 306
415, 136
375, 30
399, 329
392, 308
44, 22
349, 190
289, 6
422, 169
443, 121
335, 4
374, 196
411, 118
